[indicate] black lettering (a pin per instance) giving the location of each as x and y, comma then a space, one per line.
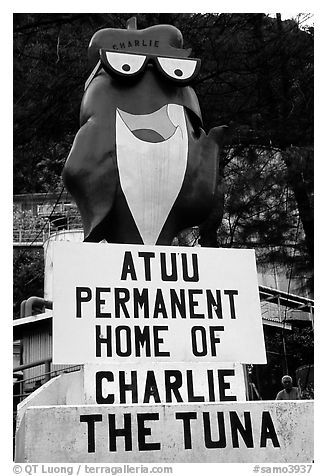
99, 339
214, 304
121, 298
99, 302
186, 275
151, 389
190, 389
159, 306
128, 387
122, 45
99, 377
222, 373
157, 341
164, 275
245, 431
142, 338
178, 302
128, 267
144, 43
268, 431
90, 420
186, 417
142, 431
208, 441
195, 348
147, 256
141, 300
118, 334
80, 299
130, 44
137, 43
172, 387
156, 43
231, 293
125, 432
214, 339
211, 387
194, 303
114, 47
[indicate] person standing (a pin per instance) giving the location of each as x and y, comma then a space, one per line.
289, 392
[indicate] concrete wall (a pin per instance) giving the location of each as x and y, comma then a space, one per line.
265, 431
66, 389
55, 425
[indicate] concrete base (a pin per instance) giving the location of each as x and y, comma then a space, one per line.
208, 433
54, 425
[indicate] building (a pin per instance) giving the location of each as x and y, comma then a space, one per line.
38, 215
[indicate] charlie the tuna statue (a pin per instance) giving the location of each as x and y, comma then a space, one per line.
141, 168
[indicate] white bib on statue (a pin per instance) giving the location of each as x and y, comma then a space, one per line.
151, 174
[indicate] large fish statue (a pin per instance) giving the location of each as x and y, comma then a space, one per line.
141, 168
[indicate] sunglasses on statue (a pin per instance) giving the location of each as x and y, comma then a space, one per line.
130, 65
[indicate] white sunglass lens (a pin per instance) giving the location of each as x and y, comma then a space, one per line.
178, 68
125, 63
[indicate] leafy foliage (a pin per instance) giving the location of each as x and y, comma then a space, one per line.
27, 277
286, 352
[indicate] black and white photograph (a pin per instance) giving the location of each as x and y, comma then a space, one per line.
163, 242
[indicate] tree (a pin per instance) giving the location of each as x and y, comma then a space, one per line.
27, 277
28, 264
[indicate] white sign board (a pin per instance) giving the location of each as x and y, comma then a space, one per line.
131, 303
181, 433
163, 382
